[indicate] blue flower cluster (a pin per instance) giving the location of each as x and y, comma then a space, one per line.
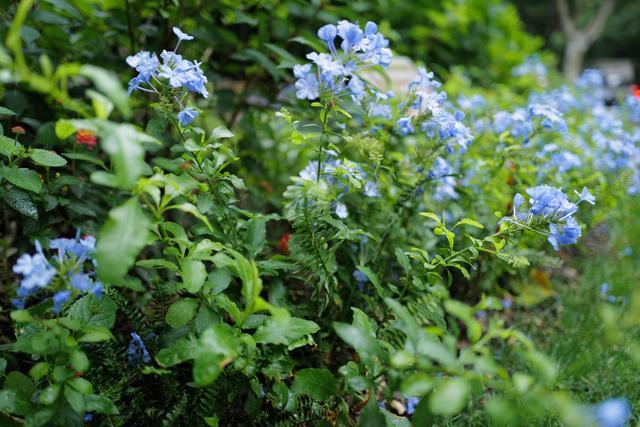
521, 123
428, 106
174, 72
68, 262
532, 66
553, 206
335, 73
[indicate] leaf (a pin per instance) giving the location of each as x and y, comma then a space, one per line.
284, 330
179, 352
206, 369
194, 274
8, 147
432, 216
157, 263
123, 143
23, 178
366, 345
85, 158
449, 397
319, 384
256, 233
181, 312
100, 404
65, 128
108, 83
373, 278
4, 111
467, 221
120, 240
46, 158
221, 132
98, 334
21, 202
193, 210
94, 312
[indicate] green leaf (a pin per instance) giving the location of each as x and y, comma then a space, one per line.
23, 178
96, 335
221, 132
94, 312
100, 404
432, 216
4, 111
449, 397
102, 106
361, 340
50, 394
157, 263
467, 221
79, 361
284, 330
85, 158
193, 210
194, 274
206, 369
65, 128
123, 143
319, 384
120, 240
21, 202
181, 312
108, 83
179, 352
8, 147
46, 158
75, 399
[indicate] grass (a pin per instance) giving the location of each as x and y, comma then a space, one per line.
596, 342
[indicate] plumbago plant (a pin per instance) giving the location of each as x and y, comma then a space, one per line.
168, 303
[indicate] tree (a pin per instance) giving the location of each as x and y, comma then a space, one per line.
580, 39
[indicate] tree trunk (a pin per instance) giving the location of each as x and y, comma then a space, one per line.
574, 54
580, 39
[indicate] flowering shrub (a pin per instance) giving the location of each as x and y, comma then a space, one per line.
373, 291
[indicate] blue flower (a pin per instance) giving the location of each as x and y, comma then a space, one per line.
585, 196
307, 87
405, 126
181, 35
360, 276
37, 272
351, 35
186, 116
613, 412
88, 417
371, 189
412, 402
328, 33
564, 234
341, 210
60, 298
551, 118
137, 350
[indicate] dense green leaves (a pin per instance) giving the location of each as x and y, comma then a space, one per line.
23, 178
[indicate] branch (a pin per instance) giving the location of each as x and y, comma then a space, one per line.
567, 23
596, 26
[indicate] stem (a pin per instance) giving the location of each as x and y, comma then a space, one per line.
322, 136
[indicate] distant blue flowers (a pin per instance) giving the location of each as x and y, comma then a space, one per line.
173, 72
552, 206
64, 272
613, 413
